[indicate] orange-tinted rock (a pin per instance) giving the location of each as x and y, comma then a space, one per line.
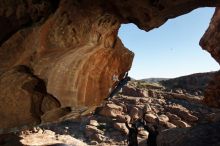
23, 99
72, 46
210, 42
75, 54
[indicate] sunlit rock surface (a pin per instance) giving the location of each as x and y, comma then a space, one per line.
210, 42
72, 49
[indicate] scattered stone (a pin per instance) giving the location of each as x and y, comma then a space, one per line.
183, 113
93, 123
179, 91
123, 118
49, 132
214, 117
172, 116
143, 133
180, 123
151, 118
91, 130
98, 137
121, 127
106, 126
111, 110
94, 143
169, 125
145, 100
151, 93
163, 118
49, 137
147, 108
145, 93
136, 113
132, 91
199, 135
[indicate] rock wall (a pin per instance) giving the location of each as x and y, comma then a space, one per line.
210, 42
71, 48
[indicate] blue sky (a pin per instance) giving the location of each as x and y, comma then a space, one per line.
171, 50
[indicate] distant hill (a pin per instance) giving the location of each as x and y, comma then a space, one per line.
154, 80
191, 83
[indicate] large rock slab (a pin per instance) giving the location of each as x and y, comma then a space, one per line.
201, 135
210, 42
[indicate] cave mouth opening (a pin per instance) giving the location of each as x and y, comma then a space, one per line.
171, 50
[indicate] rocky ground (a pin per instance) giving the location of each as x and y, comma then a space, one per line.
175, 114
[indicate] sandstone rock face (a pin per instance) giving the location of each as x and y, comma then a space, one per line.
210, 42
72, 46
210, 39
26, 100
212, 92
75, 54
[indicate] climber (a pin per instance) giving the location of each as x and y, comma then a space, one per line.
120, 85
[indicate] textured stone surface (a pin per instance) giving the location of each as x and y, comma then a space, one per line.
182, 112
212, 92
131, 91
202, 135
136, 113
111, 110
112, 135
210, 42
25, 101
121, 127
75, 54
72, 46
151, 118
48, 137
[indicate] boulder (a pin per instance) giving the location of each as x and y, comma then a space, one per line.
180, 123
151, 118
123, 118
183, 113
214, 117
200, 135
147, 108
143, 134
111, 110
172, 116
163, 118
91, 130
136, 113
169, 125
133, 91
121, 127
98, 137
93, 123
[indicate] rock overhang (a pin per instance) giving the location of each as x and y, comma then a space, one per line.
76, 52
